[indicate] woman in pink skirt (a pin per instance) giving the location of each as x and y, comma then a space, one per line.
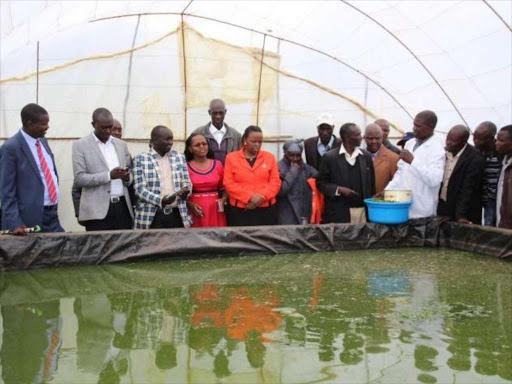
207, 200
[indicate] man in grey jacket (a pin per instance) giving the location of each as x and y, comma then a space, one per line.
222, 138
101, 167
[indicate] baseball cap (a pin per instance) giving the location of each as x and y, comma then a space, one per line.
325, 118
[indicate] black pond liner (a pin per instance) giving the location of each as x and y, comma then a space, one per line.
93, 248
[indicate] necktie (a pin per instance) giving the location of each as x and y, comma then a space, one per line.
52, 191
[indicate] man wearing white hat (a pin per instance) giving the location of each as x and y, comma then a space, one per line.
316, 147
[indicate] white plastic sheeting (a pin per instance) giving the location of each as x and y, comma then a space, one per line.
162, 61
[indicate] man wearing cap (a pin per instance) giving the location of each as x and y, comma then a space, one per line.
222, 138
385, 127
317, 146
294, 201
421, 167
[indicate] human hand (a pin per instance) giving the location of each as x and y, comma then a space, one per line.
126, 177
119, 173
464, 221
255, 201
347, 192
379, 195
184, 193
295, 164
168, 199
20, 231
195, 209
406, 156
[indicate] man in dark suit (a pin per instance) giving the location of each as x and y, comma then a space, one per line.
460, 197
346, 178
29, 184
316, 147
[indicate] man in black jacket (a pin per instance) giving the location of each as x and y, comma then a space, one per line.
346, 178
460, 197
315, 147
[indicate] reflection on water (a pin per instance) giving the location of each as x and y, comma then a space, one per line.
385, 316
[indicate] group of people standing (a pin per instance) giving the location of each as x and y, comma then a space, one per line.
225, 178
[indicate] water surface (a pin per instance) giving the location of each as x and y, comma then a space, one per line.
386, 316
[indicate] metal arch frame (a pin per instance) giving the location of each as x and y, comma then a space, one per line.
412, 54
270, 35
497, 15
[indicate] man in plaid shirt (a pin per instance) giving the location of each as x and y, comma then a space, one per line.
161, 183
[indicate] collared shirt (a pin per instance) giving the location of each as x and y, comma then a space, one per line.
166, 180
32, 145
324, 148
218, 134
449, 166
420, 142
351, 158
499, 195
374, 155
110, 155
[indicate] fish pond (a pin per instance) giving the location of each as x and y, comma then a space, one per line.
380, 316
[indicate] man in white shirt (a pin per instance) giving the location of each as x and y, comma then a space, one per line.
101, 165
421, 167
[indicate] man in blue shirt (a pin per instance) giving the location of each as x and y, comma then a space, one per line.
29, 184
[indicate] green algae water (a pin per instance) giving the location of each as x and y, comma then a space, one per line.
382, 316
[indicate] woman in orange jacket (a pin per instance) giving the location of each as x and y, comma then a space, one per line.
251, 179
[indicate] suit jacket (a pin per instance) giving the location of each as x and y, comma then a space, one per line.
233, 137
241, 180
21, 185
385, 164
464, 194
391, 147
311, 149
147, 187
333, 174
506, 198
92, 175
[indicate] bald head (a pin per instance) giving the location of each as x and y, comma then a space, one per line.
385, 126
117, 129
217, 103
457, 138
101, 113
484, 136
373, 136
161, 139
158, 131
217, 111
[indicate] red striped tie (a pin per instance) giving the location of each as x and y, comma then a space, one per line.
52, 191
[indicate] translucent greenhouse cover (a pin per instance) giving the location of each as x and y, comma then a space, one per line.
277, 64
